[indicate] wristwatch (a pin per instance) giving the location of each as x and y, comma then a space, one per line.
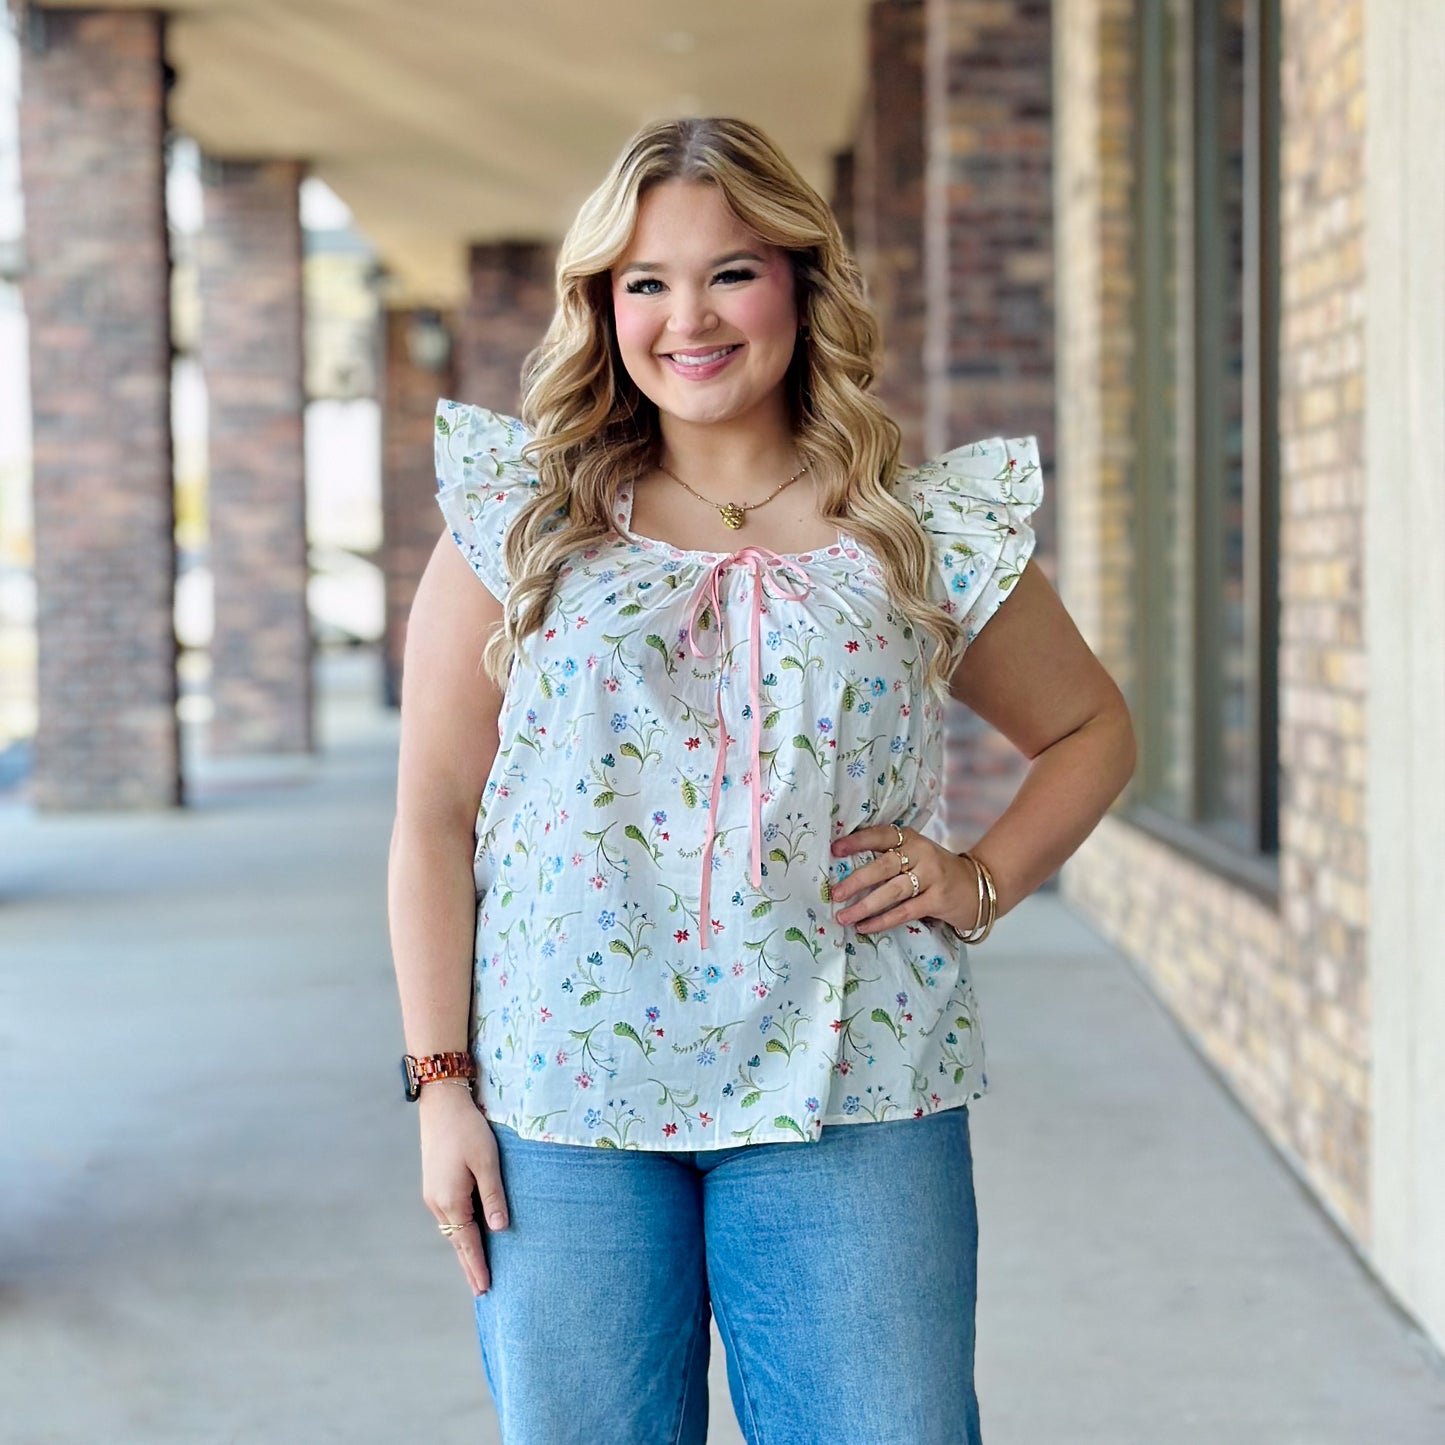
430, 1067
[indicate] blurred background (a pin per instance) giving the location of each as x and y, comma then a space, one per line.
1196, 246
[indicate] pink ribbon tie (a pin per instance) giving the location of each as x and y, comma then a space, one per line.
763, 563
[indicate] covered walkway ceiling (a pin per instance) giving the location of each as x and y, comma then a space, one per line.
443, 122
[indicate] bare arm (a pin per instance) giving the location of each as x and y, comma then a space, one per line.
1031, 675
449, 712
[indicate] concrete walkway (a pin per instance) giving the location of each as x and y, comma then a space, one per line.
210, 1223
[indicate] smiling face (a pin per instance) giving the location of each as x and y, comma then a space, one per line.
705, 311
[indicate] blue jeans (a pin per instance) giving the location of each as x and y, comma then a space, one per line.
843, 1275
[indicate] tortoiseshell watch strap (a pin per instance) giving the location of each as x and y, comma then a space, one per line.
431, 1067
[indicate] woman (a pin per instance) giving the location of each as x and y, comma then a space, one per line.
682, 817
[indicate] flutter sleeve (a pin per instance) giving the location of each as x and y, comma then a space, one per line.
974, 502
482, 483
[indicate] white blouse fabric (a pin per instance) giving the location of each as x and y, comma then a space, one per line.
657, 965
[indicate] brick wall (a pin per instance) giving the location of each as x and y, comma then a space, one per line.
888, 208
509, 307
92, 127
988, 290
1273, 990
251, 352
411, 522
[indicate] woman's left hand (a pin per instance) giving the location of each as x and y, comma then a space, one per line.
947, 882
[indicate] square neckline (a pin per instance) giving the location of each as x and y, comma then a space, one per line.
846, 545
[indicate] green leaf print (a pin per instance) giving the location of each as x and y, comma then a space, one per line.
630, 609
444, 426
881, 1016
776, 1046
748, 1100
590, 997
850, 697
796, 935
963, 1023
771, 721
545, 683
825, 890
776, 855
679, 987
958, 1076
626, 1031
801, 740
761, 908
689, 793
604, 799
631, 750
658, 645
786, 1121
617, 946
605, 1143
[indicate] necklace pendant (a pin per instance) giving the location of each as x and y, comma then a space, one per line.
733, 514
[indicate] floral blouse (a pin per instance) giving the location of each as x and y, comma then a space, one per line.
657, 965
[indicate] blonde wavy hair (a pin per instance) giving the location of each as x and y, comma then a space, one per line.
593, 429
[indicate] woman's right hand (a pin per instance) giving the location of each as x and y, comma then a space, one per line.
458, 1155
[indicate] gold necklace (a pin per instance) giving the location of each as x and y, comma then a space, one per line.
735, 513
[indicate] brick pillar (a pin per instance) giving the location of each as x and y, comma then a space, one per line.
411, 523
251, 352
889, 198
989, 256
512, 298
990, 220
92, 128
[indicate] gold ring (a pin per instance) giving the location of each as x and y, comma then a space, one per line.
449, 1229
899, 831
904, 862
913, 879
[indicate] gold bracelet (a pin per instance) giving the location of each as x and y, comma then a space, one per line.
986, 889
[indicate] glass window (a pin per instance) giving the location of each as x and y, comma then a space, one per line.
1206, 434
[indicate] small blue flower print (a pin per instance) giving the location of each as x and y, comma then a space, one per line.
825, 724
896, 746
855, 768
775, 639
608, 761
850, 1104
569, 667
727, 1089
619, 722
606, 918
659, 817
549, 948
811, 1105
536, 1063
712, 973
766, 1024
592, 1118
878, 686
652, 1015
707, 1056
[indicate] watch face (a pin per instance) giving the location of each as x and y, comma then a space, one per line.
409, 1078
